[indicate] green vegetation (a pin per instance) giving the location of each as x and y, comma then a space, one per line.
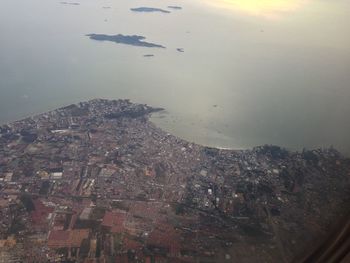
27, 202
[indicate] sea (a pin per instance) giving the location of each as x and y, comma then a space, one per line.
233, 74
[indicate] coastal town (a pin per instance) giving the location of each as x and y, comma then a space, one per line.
98, 182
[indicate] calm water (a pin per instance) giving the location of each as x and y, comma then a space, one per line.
252, 71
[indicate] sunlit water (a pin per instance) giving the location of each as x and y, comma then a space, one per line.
252, 71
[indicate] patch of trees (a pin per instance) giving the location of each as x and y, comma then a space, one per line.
75, 110
17, 225
251, 230
274, 151
265, 188
97, 213
27, 202
161, 171
45, 187
4, 129
212, 152
310, 157
28, 136
10, 137
179, 208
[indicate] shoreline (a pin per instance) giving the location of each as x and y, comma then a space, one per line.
157, 110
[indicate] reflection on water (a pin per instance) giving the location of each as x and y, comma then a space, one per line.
266, 8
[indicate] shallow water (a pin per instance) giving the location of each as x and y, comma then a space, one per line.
252, 72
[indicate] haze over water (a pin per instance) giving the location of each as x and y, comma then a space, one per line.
252, 72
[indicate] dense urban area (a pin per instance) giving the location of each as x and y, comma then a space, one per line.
98, 182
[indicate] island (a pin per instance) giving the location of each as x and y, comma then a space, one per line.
97, 181
174, 7
69, 3
149, 10
133, 40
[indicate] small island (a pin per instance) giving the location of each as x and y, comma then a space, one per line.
69, 3
149, 10
133, 40
174, 7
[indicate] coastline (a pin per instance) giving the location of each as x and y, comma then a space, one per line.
156, 110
